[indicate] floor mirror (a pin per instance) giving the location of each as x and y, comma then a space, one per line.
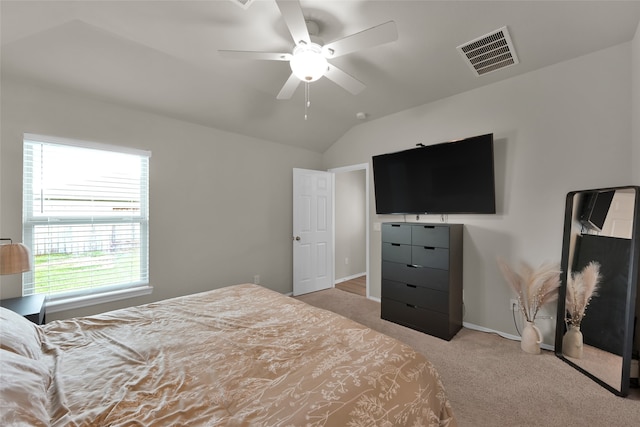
597, 335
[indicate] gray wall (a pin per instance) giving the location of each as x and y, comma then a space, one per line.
350, 208
635, 46
636, 135
565, 127
220, 203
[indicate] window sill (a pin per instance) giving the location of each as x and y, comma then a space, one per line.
102, 298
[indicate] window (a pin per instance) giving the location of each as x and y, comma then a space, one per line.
86, 221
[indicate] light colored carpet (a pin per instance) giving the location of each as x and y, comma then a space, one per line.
490, 381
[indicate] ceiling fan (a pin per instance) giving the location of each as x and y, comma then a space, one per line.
308, 60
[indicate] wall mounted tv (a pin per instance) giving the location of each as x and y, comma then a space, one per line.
447, 178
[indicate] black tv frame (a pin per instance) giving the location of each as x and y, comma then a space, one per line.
455, 177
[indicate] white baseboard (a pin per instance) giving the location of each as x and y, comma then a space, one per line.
503, 334
467, 324
345, 279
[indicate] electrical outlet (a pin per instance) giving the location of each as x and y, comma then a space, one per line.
346, 261
256, 279
513, 305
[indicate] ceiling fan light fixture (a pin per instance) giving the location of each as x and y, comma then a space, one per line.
308, 64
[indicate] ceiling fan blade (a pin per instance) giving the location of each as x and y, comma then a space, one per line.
289, 87
374, 36
348, 82
245, 54
292, 13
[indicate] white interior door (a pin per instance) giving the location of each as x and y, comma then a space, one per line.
312, 231
619, 219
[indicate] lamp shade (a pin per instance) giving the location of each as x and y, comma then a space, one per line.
308, 64
14, 258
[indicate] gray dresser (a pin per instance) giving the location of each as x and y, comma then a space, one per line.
422, 277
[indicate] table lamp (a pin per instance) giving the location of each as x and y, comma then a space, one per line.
14, 258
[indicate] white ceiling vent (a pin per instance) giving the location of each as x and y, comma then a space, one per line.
243, 3
490, 52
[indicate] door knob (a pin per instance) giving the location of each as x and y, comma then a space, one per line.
297, 238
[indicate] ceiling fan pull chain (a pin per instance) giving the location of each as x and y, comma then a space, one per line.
307, 103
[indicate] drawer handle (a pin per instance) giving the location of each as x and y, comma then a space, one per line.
412, 306
429, 226
395, 225
413, 266
395, 244
411, 286
429, 248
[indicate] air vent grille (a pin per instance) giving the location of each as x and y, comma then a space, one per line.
490, 52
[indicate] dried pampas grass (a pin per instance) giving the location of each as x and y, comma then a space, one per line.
581, 287
534, 287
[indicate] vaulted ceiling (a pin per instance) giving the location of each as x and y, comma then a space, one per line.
162, 56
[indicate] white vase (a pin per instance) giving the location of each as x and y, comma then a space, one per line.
531, 338
572, 342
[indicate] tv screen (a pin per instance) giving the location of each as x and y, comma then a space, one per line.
452, 177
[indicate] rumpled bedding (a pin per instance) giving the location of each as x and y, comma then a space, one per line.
237, 356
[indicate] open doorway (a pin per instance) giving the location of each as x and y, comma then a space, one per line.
351, 225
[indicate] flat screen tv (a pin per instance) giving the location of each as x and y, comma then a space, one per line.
448, 178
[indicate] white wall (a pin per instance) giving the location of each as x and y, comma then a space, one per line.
220, 203
565, 127
635, 47
350, 208
635, 55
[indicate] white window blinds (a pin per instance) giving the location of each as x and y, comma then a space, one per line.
85, 217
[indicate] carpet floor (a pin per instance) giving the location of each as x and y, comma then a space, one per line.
490, 381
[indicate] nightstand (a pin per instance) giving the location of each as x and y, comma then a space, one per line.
31, 307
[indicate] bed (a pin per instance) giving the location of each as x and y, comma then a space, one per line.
240, 355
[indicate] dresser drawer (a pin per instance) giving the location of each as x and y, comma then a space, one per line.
427, 256
396, 233
432, 278
417, 318
396, 252
416, 295
430, 235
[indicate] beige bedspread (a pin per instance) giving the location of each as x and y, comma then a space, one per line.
241, 355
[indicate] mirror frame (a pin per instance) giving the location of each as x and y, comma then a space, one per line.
632, 286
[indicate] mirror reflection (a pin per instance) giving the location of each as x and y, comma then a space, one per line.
596, 311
